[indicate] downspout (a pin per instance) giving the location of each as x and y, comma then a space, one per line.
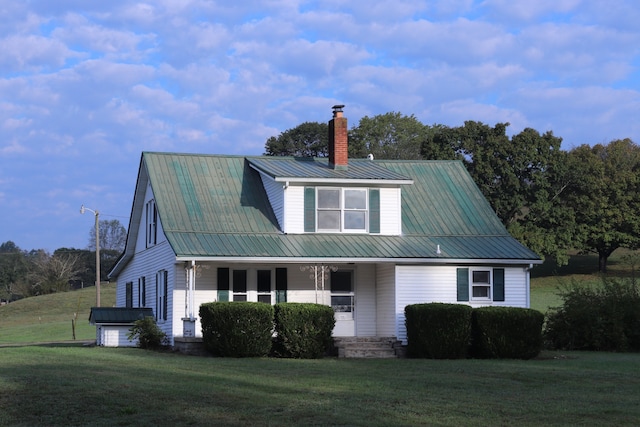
528, 281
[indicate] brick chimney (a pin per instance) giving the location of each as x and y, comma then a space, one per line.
338, 140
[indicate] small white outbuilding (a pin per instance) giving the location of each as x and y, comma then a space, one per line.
113, 324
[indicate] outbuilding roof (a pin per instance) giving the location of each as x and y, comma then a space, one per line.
118, 315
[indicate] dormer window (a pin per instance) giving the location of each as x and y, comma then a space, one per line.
342, 209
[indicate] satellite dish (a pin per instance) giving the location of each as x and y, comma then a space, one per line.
370, 156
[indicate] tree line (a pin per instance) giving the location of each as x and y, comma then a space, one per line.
551, 200
26, 273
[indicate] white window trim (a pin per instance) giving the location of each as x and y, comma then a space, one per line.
342, 210
489, 297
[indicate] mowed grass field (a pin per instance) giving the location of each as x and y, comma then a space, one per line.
61, 382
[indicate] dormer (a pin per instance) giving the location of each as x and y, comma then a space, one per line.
334, 194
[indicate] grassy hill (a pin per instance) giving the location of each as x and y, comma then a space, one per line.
48, 317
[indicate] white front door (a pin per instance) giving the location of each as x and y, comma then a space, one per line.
343, 303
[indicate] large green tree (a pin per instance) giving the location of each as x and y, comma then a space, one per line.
522, 177
604, 194
310, 139
388, 136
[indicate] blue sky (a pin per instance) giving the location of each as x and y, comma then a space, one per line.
85, 87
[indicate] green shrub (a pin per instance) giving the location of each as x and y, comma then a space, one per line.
148, 334
506, 333
237, 329
602, 318
303, 330
437, 330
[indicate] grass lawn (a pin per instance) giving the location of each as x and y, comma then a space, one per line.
48, 317
74, 385
69, 384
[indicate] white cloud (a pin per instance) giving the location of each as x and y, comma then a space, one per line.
86, 86
21, 53
530, 10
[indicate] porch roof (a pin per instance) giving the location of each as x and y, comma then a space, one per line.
349, 248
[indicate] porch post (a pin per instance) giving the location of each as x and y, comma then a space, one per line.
189, 321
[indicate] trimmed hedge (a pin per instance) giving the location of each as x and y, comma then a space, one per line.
237, 329
303, 330
506, 333
438, 330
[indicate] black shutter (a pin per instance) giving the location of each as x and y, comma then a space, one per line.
374, 210
463, 284
166, 294
309, 209
223, 284
498, 284
281, 285
129, 295
144, 292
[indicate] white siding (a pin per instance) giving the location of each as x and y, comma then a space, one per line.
515, 290
142, 229
114, 336
147, 263
385, 300
365, 300
294, 210
275, 193
425, 284
390, 211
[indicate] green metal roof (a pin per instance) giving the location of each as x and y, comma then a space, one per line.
302, 168
216, 206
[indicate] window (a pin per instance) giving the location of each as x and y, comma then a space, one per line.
264, 286
342, 296
142, 292
341, 209
481, 284
239, 285
152, 226
161, 292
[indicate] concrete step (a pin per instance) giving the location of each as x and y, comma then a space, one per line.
368, 353
368, 347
